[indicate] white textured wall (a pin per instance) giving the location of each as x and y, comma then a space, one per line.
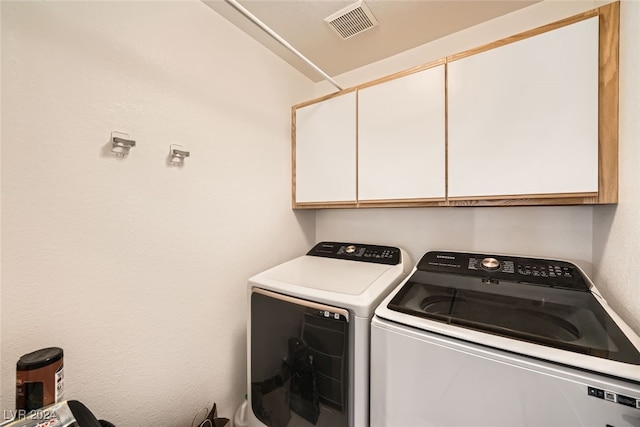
555, 232
1, 381
616, 238
135, 268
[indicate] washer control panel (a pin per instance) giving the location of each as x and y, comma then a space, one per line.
614, 397
558, 274
357, 252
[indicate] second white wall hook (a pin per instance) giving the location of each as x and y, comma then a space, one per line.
177, 154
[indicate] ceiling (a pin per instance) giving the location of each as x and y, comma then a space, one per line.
402, 25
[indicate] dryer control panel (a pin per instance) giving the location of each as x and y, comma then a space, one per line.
357, 252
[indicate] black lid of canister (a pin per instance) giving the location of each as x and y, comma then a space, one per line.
39, 358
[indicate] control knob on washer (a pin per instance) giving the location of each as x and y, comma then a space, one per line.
490, 264
350, 249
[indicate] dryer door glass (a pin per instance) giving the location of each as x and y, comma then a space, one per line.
299, 361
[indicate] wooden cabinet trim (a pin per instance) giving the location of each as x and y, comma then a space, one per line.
401, 203
608, 103
325, 205
293, 157
524, 35
564, 201
529, 196
403, 73
324, 98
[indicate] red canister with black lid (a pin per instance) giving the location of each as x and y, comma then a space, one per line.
39, 379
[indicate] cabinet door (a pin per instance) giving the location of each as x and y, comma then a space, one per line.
401, 138
325, 151
523, 117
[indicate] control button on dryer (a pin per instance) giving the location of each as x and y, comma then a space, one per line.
627, 401
508, 267
490, 263
350, 249
596, 392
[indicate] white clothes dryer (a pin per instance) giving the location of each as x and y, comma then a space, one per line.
308, 334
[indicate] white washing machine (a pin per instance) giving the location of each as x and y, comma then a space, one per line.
486, 340
308, 334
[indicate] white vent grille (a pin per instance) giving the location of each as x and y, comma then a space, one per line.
352, 20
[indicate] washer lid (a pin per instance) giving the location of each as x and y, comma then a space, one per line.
347, 275
326, 274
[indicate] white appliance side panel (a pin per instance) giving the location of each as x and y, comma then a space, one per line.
360, 370
423, 380
401, 137
326, 150
523, 118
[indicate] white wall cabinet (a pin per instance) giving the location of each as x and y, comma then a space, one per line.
401, 138
325, 151
528, 120
523, 117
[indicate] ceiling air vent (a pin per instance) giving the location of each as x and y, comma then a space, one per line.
352, 20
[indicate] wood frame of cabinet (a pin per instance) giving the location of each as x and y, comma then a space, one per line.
608, 116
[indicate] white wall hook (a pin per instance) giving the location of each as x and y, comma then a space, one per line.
177, 155
121, 143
